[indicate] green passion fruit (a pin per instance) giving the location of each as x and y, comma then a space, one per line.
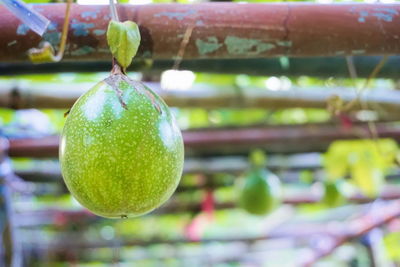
121, 151
261, 192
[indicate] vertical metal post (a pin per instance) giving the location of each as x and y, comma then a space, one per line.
368, 242
373, 242
9, 248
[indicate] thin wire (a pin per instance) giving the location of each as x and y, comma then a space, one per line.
64, 33
351, 67
182, 47
353, 75
359, 92
113, 11
376, 70
364, 105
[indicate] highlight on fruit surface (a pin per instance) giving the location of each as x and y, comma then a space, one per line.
121, 151
261, 192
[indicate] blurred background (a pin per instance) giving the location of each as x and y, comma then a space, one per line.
324, 127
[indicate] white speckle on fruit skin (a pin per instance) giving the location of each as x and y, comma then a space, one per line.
118, 161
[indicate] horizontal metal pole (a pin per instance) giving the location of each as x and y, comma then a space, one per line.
206, 142
323, 67
41, 217
49, 171
44, 95
218, 30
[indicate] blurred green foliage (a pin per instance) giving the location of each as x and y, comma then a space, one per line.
392, 245
366, 161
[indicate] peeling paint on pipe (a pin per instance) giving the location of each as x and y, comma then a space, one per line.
221, 30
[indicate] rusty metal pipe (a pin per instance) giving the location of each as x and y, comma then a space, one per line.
221, 30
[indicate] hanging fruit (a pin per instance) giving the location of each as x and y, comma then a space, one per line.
121, 151
261, 191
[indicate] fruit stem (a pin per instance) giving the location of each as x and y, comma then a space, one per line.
116, 68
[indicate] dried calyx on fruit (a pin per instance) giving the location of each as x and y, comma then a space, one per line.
121, 151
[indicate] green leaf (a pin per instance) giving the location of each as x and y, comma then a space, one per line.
123, 39
367, 162
369, 179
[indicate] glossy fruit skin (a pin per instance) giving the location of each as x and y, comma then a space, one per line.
261, 192
121, 152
